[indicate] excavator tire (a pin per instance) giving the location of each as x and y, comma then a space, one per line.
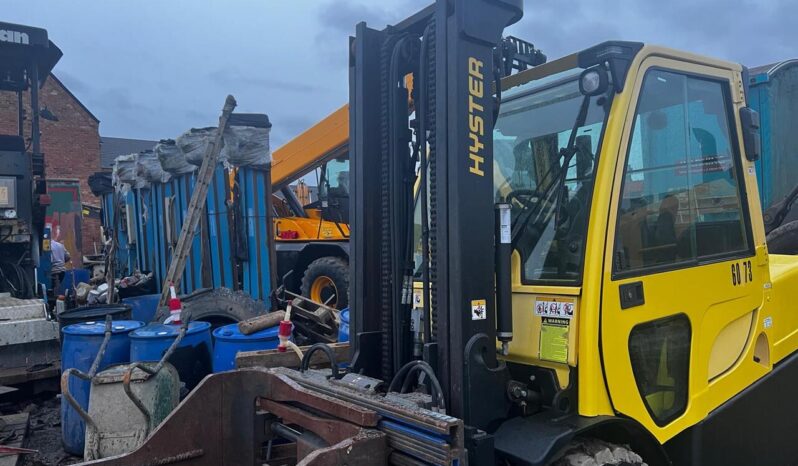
218, 306
324, 277
595, 452
784, 239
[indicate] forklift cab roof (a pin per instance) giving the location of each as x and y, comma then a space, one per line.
24, 49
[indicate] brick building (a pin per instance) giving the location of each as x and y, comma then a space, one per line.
71, 145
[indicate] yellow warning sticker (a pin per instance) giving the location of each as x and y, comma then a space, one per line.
479, 309
554, 339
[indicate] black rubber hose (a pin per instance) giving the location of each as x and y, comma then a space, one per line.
305, 364
407, 371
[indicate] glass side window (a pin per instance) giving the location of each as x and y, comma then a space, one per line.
681, 200
335, 178
548, 184
660, 355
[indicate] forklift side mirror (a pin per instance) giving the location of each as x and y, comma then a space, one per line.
749, 120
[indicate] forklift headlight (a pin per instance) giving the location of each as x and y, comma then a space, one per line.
10, 213
593, 81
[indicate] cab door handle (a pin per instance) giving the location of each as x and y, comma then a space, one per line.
631, 295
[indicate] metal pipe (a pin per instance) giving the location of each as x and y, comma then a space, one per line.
34, 105
504, 250
285, 432
421, 112
20, 114
307, 437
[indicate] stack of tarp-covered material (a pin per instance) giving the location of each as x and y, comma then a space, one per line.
245, 142
233, 242
172, 159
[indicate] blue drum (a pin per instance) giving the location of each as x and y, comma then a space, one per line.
143, 307
192, 358
81, 342
228, 341
343, 329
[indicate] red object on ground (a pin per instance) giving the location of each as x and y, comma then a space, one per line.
16, 450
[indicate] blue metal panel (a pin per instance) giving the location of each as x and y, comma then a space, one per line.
773, 95
219, 236
760, 100
122, 243
257, 267
150, 232
155, 230
754, 101
141, 256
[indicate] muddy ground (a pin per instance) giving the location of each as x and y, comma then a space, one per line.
44, 432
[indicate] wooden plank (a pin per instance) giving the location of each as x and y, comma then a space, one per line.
274, 358
196, 204
15, 427
16, 375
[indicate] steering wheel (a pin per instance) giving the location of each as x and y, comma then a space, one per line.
516, 195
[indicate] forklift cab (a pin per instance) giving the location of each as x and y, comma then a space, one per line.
334, 190
639, 264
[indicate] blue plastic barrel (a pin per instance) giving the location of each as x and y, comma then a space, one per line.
228, 341
343, 329
144, 306
192, 358
81, 344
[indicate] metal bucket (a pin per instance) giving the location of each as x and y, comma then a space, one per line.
81, 345
229, 340
343, 328
192, 357
143, 307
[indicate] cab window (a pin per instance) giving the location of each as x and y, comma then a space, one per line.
682, 200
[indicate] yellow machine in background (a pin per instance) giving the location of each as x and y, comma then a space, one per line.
312, 229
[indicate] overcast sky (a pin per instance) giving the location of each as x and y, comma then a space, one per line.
152, 69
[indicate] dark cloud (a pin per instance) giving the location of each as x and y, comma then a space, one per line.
338, 18
749, 32
226, 76
154, 69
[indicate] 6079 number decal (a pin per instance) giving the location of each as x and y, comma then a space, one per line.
741, 273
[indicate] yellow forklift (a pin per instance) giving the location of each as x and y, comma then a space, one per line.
596, 284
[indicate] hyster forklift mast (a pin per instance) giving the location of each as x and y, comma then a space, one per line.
449, 49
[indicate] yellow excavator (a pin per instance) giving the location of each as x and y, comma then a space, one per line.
312, 228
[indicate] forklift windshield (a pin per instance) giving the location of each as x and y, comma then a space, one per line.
548, 184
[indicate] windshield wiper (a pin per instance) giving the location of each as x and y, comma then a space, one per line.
567, 153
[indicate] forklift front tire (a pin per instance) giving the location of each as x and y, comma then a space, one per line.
595, 452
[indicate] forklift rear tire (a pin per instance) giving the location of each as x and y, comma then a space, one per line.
784, 239
595, 452
325, 277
